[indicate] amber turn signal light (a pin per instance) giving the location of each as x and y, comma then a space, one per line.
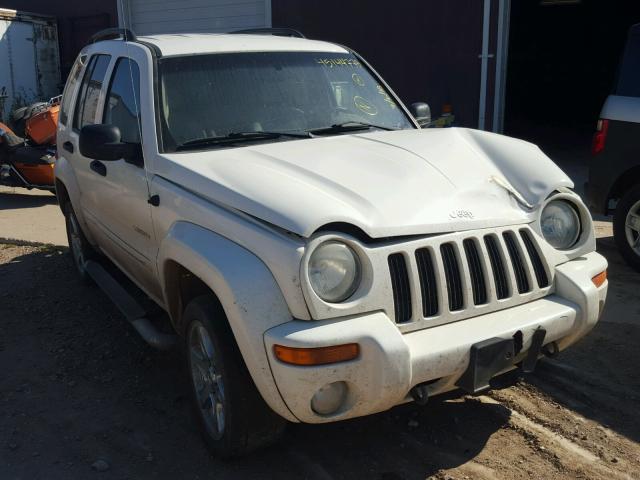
599, 279
316, 356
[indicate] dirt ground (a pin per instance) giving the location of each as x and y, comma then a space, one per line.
78, 387
30, 216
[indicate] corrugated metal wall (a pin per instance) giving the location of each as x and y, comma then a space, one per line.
148, 17
428, 50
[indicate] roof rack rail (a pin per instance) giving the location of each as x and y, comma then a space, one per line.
280, 32
113, 33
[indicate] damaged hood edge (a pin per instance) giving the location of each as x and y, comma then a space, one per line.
388, 184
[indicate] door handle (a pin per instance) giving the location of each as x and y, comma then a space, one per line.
98, 167
68, 146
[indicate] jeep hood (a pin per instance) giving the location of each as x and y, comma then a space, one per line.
385, 183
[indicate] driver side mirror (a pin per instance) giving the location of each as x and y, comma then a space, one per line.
104, 142
422, 113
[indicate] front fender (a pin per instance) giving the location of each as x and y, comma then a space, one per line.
250, 296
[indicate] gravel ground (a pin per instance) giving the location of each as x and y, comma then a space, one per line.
82, 397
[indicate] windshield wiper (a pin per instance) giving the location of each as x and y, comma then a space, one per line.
237, 137
347, 127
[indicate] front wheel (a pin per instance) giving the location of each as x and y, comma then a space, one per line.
233, 417
626, 227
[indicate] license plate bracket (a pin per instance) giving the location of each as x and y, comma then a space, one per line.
486, 359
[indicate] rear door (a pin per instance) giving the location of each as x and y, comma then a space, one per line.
86, 102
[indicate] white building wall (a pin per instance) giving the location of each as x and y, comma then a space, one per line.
29, 60
148, 17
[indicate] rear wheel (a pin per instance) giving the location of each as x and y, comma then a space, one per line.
626, 227
233, 417
79, 247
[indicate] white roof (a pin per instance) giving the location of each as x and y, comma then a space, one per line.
194, 43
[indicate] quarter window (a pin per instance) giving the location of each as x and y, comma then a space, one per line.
67, 95
89, 95
122, 107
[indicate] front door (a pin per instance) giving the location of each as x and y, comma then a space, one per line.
123, 207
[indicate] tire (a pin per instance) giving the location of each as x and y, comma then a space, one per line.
220, 383
627, 231
80, 249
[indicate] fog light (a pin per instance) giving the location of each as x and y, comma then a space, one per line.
329, 398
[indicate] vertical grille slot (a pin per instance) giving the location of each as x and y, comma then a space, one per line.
428, 287
497, 266
453, 277
536, 260
400, 286
478, 283
517, 262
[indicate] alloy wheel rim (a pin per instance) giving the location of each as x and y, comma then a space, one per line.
76, 244
207, 380
632, 227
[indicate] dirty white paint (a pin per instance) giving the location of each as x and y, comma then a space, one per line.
243, 220
30, 60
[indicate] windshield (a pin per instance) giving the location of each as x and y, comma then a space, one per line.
217, 95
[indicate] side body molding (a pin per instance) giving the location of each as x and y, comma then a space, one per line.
250, 297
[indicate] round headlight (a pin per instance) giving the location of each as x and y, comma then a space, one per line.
560, 224
334, 271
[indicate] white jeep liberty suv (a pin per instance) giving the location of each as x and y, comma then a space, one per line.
319, 255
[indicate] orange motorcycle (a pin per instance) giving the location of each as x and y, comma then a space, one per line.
28, 161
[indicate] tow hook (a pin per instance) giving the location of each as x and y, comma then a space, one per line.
551, 350
537, 340
420, 394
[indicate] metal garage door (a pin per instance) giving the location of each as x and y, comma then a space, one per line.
148, 17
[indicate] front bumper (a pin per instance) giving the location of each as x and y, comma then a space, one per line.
391, 363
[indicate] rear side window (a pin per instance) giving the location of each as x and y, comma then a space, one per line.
67, 95
629, 76
122, 107
89, 94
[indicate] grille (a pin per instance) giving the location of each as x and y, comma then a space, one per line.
428, 286
478, 283
452, 274
516, 260
456, 277
400, 286
536, 260
497, 267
